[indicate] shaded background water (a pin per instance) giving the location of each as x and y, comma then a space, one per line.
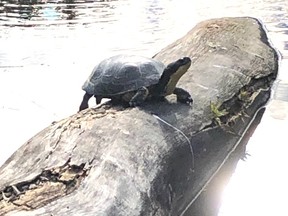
48, 48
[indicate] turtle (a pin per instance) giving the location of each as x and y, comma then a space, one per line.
133, 79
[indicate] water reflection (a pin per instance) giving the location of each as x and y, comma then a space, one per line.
36, 12
153, 11
209, 201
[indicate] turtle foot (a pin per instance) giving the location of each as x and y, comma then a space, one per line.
82, 107
133, 103
84, 103
183, 96
139, 97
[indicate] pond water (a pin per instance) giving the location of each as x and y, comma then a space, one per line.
49, 47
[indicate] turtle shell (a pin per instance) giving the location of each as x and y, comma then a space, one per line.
123, 73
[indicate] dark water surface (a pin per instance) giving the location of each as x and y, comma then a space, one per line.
48, 48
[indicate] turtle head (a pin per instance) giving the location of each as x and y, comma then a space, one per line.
179, 67
172, 73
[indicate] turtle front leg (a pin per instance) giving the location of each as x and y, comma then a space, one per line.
84, 103
139, 97
183, 96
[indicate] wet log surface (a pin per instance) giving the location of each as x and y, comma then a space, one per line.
112, 160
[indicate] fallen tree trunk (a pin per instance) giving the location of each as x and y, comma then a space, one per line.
139, 161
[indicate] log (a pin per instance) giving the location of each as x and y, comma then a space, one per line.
154, 159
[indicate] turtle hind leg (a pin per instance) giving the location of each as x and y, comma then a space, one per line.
139, 97
183, 96
98, 99
84, 103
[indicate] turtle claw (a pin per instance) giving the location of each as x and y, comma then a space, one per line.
187, 100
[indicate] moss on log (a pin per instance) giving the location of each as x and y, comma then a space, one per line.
112, 160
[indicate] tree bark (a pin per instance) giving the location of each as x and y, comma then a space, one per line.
154, 159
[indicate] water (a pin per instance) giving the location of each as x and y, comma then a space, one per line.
48, 49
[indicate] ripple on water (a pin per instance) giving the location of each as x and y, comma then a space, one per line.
56, 12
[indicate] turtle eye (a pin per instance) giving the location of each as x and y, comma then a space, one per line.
181, 61
184, 60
